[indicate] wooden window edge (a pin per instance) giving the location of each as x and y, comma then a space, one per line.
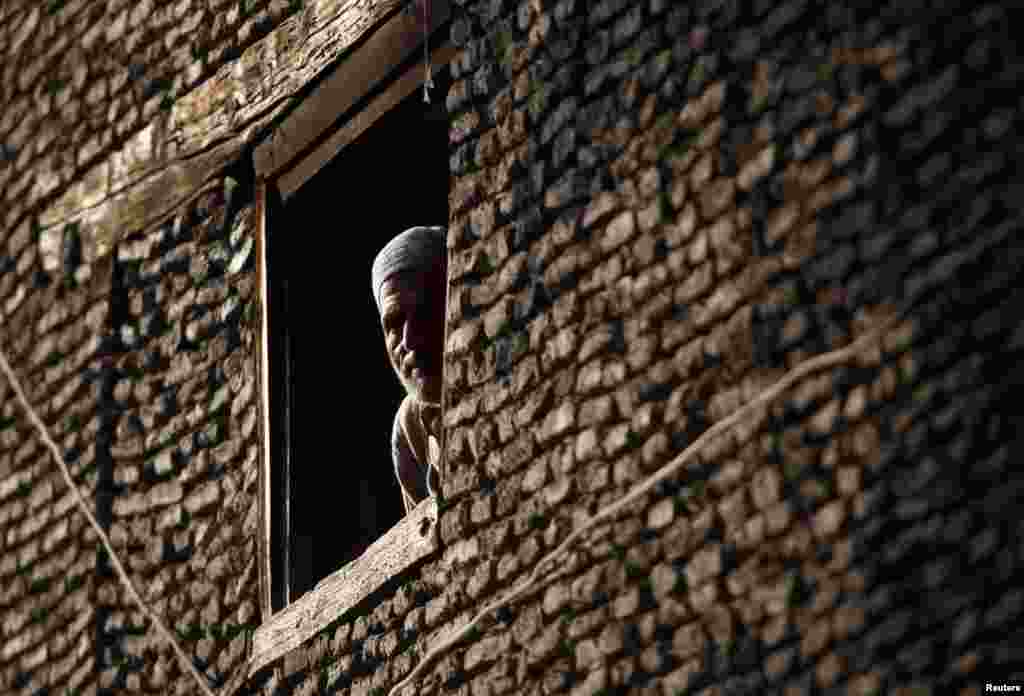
286, 163
305, 168
357, 75
412, 539
264, 542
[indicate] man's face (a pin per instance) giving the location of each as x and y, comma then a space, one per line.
412, 316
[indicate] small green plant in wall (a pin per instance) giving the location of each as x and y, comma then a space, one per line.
664, 59
665, 122
902, 343
474, 634
39, 585
791, 470
727, 647
697, 73
55, 85
569, 614
664, 207
693, 491
521, 343
758, 103
538, 100
633, 56
502, 41
922, 393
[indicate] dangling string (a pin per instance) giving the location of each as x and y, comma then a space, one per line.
428, 82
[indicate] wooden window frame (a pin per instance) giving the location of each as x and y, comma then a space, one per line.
343, 105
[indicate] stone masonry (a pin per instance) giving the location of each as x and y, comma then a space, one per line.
657, 209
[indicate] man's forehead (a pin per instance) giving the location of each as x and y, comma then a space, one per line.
403, 283
411, 281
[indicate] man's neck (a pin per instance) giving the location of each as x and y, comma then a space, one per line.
430, 416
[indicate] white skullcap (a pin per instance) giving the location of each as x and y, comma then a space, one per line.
416, 249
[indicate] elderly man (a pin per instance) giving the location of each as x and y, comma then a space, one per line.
409, 281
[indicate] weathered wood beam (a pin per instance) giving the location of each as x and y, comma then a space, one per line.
306, 167
409, 541
210, 126
264, 541
384, 51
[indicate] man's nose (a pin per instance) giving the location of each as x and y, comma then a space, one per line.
411, 337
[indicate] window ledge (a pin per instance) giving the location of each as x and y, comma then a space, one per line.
412, 539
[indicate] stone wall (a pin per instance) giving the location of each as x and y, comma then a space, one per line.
146, 377
657, 209
80, 79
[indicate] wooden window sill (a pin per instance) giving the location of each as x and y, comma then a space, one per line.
415, 537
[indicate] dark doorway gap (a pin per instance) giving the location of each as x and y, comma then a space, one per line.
326, 340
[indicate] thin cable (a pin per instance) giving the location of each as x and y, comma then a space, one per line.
80, 501
428, 80
815, 364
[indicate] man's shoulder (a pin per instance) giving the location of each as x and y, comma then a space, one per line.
409, 409
406, 417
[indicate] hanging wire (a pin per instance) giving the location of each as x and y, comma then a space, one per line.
428, 82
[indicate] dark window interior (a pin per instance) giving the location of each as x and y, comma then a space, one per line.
333, 392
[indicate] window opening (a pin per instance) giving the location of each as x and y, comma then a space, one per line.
333, 393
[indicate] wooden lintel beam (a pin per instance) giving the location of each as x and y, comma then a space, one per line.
355, 77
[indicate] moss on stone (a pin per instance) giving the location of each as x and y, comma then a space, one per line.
791, 470
694, 490
538, 100
633, 55
758, 103
922, 393
697, 73
39, 585
665, 122
727, 647
502, 42
664, 59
